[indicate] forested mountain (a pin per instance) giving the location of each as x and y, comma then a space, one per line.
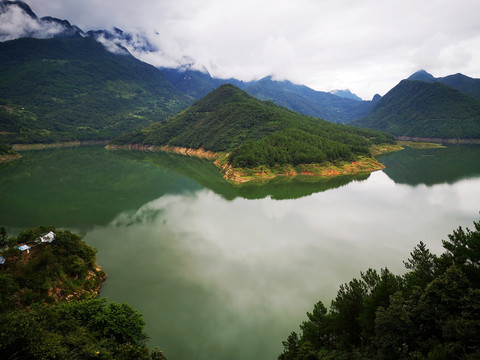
463, 83
339, 108
256, 132
74, 89
419, 108
71, 87
430, 312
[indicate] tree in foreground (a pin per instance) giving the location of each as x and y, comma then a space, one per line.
431, 312
49, 307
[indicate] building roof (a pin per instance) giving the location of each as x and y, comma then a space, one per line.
24, 247
48, 237
2, 260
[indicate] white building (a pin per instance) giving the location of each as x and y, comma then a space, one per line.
48, 238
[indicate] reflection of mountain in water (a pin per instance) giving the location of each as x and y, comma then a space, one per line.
433, 166
78, 188
209, 176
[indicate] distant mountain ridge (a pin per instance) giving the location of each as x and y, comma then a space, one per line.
346, 93
300, 98
460, 82
428, 109
39, 91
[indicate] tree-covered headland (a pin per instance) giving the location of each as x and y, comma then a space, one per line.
430, 312
49, 307
258, 134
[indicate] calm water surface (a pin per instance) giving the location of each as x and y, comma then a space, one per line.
227, 272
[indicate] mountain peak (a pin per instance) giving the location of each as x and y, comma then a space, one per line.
225, 93
346, 94
6, 6
422, 75
27, 24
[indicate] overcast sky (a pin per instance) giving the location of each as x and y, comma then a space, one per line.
367, 46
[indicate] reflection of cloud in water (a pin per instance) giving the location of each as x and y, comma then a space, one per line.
262, 263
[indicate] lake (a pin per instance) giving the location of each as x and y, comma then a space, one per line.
227, 272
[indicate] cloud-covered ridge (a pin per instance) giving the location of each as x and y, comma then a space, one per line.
17, 20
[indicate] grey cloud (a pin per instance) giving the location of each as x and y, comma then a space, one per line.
16, 23
365, 46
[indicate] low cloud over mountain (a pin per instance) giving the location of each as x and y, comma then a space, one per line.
17, 20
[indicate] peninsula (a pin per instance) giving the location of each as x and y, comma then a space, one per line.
251, 139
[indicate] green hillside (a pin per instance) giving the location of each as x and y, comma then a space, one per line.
256, 133
74, 89
425, 109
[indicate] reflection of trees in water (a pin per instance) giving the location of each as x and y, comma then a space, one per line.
77, 187
209, 176
81, 187
433, 166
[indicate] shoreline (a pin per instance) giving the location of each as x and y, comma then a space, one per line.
41, 146
263, 173
199, 153
452, 141
9, 157
361, 165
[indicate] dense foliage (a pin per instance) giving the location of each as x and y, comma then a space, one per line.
5, 149
425, 109
229, 119
431, 312
48, 272
293, 147
74, 89
48, 308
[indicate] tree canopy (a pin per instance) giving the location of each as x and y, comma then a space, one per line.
256, 132
430, 312
49, 307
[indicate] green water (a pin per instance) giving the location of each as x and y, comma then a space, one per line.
227, 272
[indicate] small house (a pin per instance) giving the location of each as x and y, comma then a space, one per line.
48, 238
2, 260
24, 248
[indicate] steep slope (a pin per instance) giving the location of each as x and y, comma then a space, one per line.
425, 109
73, 88
256, 133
